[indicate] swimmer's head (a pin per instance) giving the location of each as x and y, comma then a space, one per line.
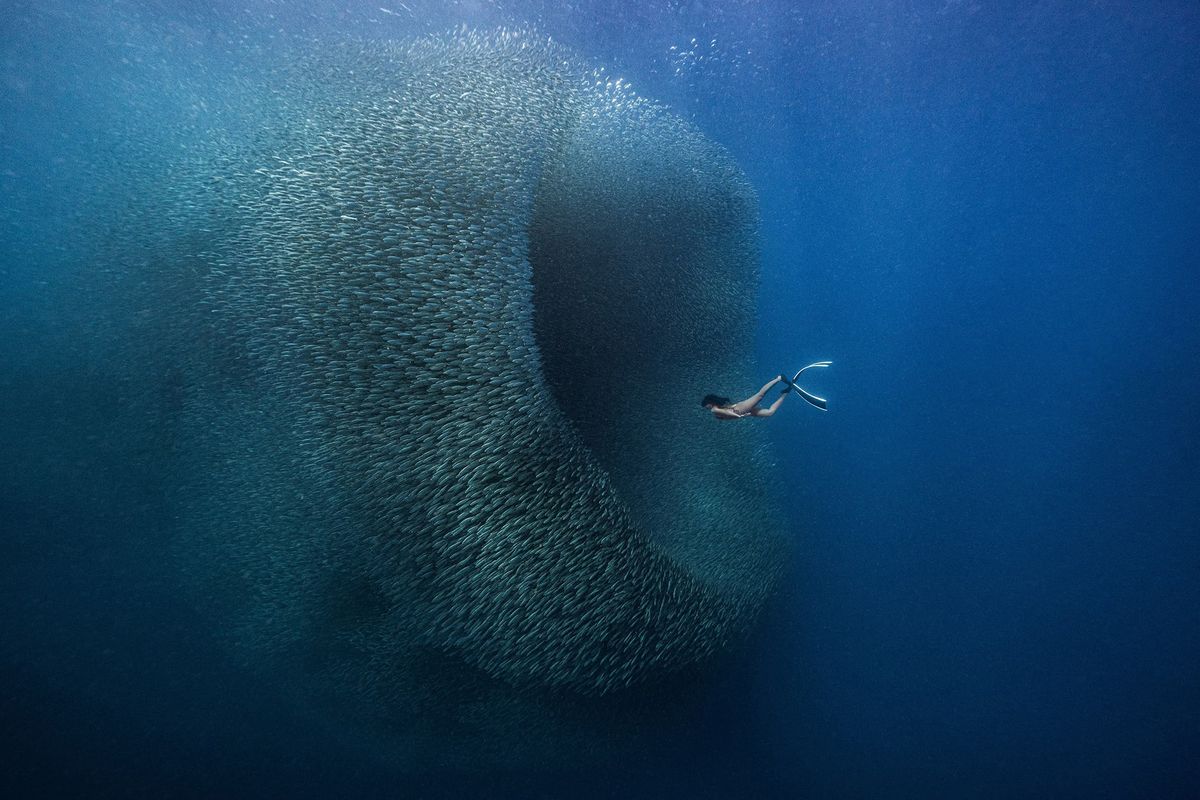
715, 401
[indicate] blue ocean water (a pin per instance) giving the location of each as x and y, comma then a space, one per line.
985, 216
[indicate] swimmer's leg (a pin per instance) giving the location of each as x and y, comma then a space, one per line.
766, 412
747, 405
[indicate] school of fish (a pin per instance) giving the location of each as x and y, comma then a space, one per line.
447, 462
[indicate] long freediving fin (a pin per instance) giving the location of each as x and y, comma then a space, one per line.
809, 397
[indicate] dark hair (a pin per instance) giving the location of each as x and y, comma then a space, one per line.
719, 402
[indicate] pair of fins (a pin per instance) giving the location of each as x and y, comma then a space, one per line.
810, 398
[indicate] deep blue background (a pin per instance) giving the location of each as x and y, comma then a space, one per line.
987, 216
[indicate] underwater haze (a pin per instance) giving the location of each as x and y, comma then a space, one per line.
350, 359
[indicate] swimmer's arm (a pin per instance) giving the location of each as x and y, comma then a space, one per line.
728, 413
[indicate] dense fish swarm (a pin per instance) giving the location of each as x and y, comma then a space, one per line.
449, 461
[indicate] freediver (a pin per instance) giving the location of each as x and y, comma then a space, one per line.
724, 408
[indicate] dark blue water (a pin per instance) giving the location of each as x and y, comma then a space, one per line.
987, 217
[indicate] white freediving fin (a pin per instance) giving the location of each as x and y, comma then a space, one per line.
809, 397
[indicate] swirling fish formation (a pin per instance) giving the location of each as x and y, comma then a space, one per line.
451, 461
